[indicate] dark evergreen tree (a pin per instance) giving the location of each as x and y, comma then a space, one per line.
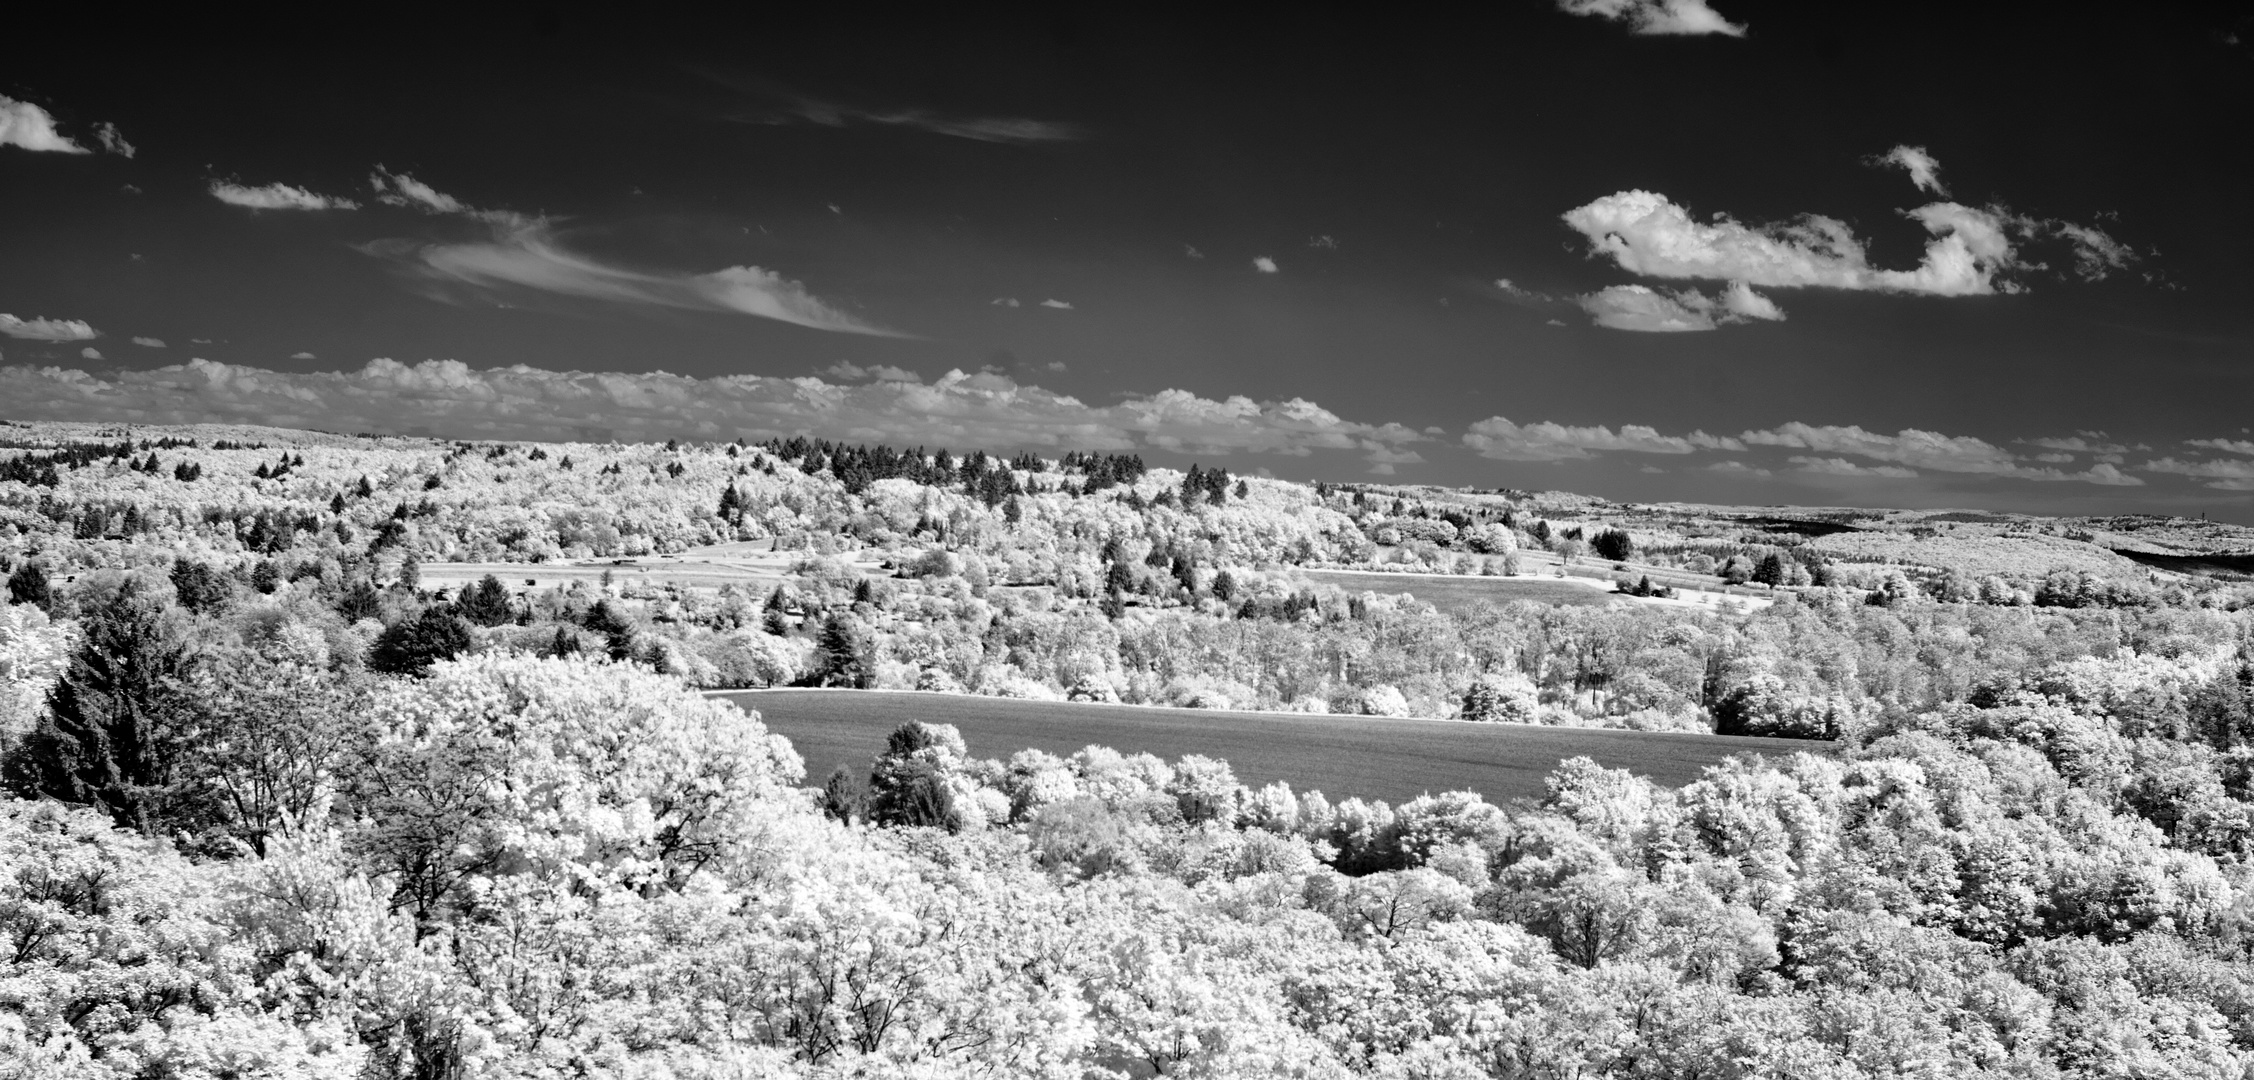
486, 603
29, 585
200, 587
117, 722
411, 646
1612, 545
843, 655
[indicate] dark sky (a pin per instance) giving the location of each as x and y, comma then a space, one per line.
896, 178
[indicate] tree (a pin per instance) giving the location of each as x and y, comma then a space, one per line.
1612, 545
1770, 571
844, 655
486, 603
411, 646
910, 783
200, 587
117, 724
29, 585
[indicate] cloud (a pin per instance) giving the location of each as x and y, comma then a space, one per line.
1647, 234
399, 189
2096, 255
799, 108
1971, 252
1005, 301
47, 329
90, 353
1635, 307
1686, 17
1496, 437
26, 126
1833, 466
276, 197
107, 135
303, 356
1060, 305
1925, 172
1929, 450
1264, 264
2235, 446
1737, 468
526, 253
2228, 474
1192, 251
2088, 442
447, 399
149, 342
1323, 242
848, 371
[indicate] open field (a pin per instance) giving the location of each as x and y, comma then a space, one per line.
1338, 755
751, 563
1456, 594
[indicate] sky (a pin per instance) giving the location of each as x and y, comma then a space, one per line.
1985, 256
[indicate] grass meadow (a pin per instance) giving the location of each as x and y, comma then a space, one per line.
1370, 757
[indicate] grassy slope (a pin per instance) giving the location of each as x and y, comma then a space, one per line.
1393, 760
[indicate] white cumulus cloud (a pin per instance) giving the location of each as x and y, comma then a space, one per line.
399, 189
1833, 466
90, 353
1060, 305
276, 196
149, 342
1646, 233
1636, 307
848, 371
1264, 264
1925, 172
108, 136
1687, 17
26, 126
47, 329
1497, 437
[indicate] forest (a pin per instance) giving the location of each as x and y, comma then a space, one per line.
277, 806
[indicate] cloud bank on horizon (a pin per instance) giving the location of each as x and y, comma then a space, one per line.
1690, 18
990, 410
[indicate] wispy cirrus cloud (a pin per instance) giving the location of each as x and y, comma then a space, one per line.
522, 252
446, 398
786, 106
149, 342
277, 196
43, 329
